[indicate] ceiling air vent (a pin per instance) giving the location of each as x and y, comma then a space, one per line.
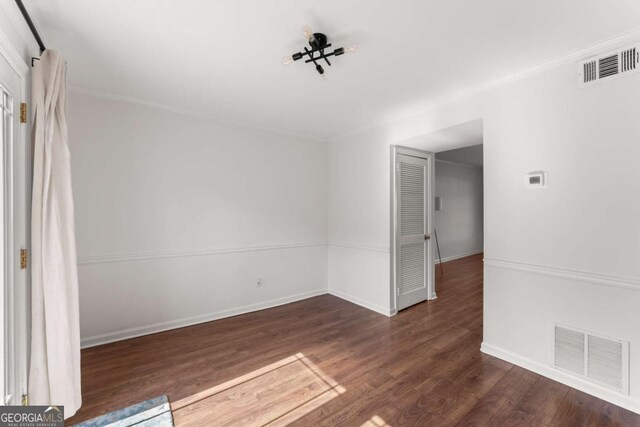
590, 71
629, 59
597, 359
609, 65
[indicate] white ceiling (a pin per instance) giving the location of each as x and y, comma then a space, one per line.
459, 136
223, 58
468, 155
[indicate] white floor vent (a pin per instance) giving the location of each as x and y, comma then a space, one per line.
603, 361
611, 64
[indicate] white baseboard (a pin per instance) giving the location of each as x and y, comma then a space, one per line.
180, 323
366, 304
464, 255
626, 402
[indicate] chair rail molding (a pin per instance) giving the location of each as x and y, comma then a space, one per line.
352, 245
581, 276
100, 259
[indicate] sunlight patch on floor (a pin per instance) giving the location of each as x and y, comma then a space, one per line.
277, 394
375, 421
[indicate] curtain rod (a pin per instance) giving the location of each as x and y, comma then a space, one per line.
32, 27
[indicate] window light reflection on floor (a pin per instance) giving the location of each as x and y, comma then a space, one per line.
375, 421
279, 393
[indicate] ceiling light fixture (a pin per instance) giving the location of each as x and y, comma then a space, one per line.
318, 42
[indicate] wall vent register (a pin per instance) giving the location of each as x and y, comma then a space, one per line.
597, 359
612, 64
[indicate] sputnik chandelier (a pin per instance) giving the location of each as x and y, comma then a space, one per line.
318, 42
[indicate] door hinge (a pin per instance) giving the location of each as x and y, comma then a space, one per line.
398, 167
398, 291
25, 400
23, 112
23, 259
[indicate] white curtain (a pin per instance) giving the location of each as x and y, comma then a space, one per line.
54, 374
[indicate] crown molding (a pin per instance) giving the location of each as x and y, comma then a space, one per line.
571, 56
190, 113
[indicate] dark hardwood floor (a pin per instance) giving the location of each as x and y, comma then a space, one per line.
325, 361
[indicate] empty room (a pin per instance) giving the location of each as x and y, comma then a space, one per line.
292, 213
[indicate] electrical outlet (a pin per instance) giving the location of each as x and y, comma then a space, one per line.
260, 282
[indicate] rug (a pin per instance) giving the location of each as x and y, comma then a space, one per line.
154, 412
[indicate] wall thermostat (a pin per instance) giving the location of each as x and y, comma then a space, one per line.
536, 179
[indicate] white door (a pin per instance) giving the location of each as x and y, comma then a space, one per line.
13, 215
413, 245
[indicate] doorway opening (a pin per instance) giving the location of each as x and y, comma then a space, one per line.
459, 204
453, 212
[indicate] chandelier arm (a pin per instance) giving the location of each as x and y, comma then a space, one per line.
324, 56
312, 51
312, 59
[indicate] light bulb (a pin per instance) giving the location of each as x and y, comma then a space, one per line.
351, 49
308, 32
287, 60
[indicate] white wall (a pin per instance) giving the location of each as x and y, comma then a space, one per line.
544, 252
460, 222
358, 230
15, 34
177, 217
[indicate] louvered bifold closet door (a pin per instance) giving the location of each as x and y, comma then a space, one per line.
412, 175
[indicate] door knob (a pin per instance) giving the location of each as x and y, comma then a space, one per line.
427, 237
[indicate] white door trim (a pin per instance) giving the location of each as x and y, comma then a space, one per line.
21, 214
396, 150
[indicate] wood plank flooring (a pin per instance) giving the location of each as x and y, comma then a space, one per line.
325, 361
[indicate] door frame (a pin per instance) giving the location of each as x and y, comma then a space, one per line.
394, 239
21, 208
